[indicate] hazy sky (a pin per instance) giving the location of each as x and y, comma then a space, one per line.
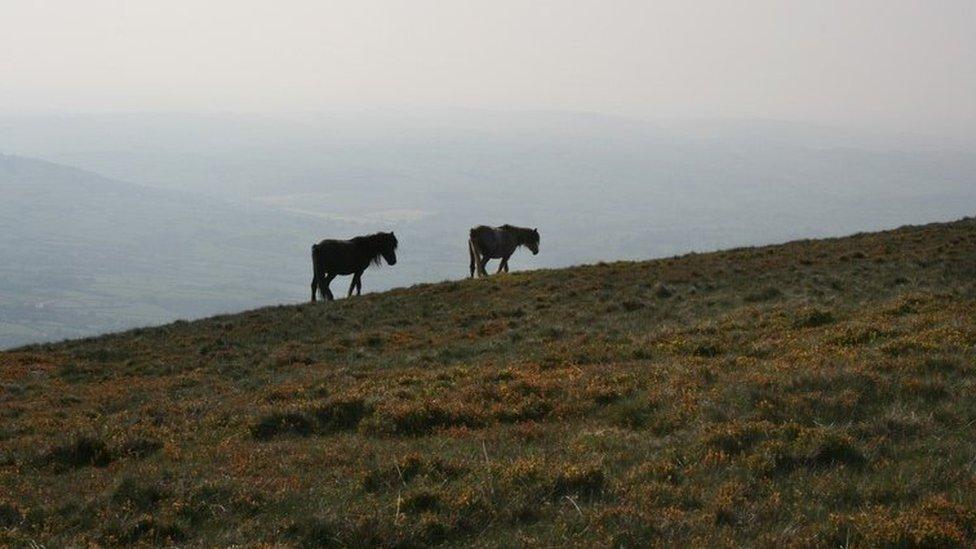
893, 62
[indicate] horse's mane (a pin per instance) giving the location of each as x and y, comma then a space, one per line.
376, 244
524, 234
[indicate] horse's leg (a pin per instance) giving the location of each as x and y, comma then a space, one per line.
315, 284
505, 262
482, 264
325, 286
356, 283
473, 254
501, 265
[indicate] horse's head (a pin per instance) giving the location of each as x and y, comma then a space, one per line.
388, 248
532, 242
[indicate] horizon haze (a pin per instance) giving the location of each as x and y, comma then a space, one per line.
891, 65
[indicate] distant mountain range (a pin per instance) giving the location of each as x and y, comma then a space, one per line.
83, 254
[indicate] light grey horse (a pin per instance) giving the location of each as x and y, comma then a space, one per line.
488, 243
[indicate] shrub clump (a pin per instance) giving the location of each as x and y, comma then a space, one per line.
422, 500
139, 447
735, 438
147, 530
82, 451
936, 522
766, 294
282, 423
337, 415
940, 364
416, 419
410, 467
631, 413
812, 318
586, 481
207, 501
859, 336
134, 494
661, 291
315, 533
531, 408
629, 527
830, 449
340, 415
631, 305
811, 448
10, 516
707, 350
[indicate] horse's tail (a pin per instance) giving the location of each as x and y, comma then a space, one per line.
318, 278
317, 252
473, 252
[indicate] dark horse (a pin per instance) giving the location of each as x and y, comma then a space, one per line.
498, 243
331, 258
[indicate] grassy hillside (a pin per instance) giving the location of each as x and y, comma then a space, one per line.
817, 392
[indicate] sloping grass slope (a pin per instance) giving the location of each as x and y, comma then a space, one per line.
812, 393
